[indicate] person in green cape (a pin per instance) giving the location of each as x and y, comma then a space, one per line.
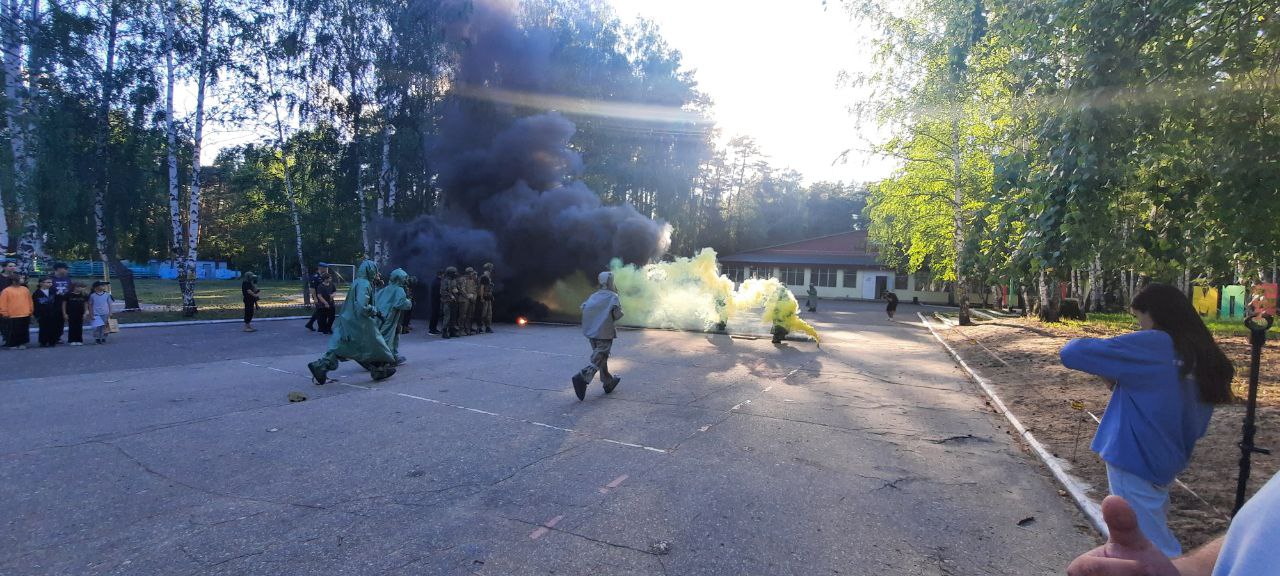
392, 302
355, 335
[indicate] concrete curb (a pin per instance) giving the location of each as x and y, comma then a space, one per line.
196, 322
1074, 486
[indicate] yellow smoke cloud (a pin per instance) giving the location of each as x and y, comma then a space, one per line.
691, 294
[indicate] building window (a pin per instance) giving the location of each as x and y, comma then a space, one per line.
824, 277
900, 281
922, 282
850, 278
734, 273
791, 276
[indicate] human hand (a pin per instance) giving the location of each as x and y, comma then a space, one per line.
1127, 552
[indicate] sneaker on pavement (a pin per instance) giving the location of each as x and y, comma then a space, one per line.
610, 385
579, 387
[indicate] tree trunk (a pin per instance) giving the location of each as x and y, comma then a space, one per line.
357, 107
177, 242
193, 201
288, 184
1050, 299
1095, 282
962, 280
102, 224
17, 90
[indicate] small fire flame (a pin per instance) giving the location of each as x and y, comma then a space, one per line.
521, 321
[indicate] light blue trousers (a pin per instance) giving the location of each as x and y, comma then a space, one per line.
1151, 503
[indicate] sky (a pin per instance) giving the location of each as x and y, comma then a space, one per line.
770, 67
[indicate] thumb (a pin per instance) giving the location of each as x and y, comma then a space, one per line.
1122, 522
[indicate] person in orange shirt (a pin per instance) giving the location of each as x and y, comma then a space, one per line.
17, 307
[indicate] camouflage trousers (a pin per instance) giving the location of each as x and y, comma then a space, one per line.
600, 349
448, 316
486, 314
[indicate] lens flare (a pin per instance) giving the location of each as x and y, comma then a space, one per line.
521, 321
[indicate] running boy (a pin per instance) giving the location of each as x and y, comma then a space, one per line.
599, 313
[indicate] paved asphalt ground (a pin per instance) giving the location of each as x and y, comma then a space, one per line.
175, 451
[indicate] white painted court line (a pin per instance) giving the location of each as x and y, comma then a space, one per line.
1074, 485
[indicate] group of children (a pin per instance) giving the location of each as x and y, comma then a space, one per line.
57, 303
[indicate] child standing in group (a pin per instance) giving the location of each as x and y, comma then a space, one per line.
100, 310
1166, 378
17, 307
48, 312
75, 311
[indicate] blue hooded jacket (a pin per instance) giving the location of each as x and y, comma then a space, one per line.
1155, 415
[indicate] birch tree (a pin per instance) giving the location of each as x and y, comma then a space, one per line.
20, 21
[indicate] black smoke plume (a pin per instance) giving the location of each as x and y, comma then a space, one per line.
509, 182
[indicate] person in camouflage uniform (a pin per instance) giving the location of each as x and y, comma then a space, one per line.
355, 335
486, 298
449, 293
470, 288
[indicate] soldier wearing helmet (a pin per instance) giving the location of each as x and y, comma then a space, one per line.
449, 294
486, 298
470, 289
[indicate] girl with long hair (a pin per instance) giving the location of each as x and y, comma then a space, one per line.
1166, 379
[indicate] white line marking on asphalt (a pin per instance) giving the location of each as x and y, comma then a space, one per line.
479, 411
545, 528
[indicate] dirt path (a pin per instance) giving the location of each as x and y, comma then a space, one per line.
1020, 357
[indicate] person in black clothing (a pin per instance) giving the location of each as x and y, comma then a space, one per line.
74, 310
61, 287
892, 305
313, 283
249, 289
48, 313
325, 305
435, 303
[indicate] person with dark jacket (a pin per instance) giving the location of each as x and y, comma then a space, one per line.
892, 303
325, 305
48, 313
249, 289
313, 283
75, 311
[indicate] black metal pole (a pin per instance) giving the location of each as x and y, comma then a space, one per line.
1257, 338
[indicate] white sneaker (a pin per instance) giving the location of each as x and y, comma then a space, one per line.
77, 344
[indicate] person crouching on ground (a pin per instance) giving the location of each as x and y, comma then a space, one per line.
100, 308
599, 313
48, 312
891, 303
16, 306
1166, 379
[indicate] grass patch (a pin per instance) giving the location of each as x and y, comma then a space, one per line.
213, 294
139, 317
1123, 322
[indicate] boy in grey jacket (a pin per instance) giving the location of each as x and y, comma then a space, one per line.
599, 313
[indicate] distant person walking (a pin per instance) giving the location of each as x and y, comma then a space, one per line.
16, 306
811, 302
48, 313
599, 313
75, 310
325, 305
249, 289
100, 310
313, 284
1166, 378
891, 303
